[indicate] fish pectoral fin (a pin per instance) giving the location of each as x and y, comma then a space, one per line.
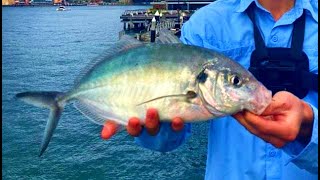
188, 95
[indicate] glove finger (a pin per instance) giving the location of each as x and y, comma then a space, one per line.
152, 122
134, 126
109, 129
177, 124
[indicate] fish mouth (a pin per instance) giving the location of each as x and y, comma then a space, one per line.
260, 100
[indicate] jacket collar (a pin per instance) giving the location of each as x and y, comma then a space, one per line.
310, 5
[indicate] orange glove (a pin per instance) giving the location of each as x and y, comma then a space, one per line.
134, 127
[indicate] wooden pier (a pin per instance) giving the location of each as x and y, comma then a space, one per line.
138, 22
135, 19
169, 14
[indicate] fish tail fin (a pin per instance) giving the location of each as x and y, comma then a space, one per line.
48, 100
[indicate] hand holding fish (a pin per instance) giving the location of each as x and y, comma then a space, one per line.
286, 119
134, 127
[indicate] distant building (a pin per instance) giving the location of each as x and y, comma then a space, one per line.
42, 2
141, 1
190, 5
16, 2
125, 1
8, 2
95, 2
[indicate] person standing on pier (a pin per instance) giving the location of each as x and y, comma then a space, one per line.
247, 146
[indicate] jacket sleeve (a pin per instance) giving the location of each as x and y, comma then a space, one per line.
189, 35
306, 156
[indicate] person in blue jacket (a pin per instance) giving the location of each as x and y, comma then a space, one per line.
257, 34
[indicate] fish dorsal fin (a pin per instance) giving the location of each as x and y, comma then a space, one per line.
167, 37
126, 42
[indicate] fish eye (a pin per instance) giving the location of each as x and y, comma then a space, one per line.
235, 80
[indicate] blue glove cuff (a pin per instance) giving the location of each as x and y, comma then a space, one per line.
166, 139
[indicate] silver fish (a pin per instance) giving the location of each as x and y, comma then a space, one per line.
191, 82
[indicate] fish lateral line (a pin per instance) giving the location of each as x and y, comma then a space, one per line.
188, 95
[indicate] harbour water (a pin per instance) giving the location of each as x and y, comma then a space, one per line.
44, 49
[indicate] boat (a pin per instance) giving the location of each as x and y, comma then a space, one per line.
62, 8
93, 4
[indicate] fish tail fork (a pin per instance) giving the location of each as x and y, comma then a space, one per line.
48, 100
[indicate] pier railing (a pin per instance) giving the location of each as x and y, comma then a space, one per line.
138, 22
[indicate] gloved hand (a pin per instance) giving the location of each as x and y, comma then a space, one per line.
134, 127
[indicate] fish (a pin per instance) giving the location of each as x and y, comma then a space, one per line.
179, 80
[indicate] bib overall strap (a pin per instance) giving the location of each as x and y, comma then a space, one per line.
263, 55
298, 36
310, 80
258, 40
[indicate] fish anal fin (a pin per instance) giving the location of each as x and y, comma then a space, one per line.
96, 114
